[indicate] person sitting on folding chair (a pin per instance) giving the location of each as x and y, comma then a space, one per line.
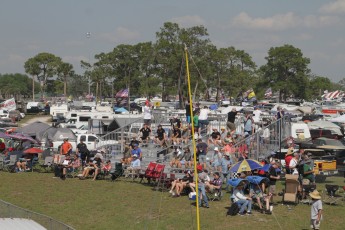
215, 184
257, 191
243, 202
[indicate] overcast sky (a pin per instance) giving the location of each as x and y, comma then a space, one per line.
29, 27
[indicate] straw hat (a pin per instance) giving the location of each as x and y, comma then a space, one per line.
315, 195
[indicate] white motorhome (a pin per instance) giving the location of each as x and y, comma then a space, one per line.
59, 110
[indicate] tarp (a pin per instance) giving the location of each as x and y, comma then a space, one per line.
340, 119
325, 125
33, 128
58, 134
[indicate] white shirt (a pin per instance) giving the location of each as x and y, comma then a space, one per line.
204, 114
147, 113
257, 114
238, 195
135, 163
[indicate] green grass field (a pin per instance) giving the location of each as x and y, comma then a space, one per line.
87, 204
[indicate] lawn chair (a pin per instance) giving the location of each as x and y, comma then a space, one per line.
47, 164
10, 165
158, 173
330, 195
291, 189
2, 162
148, 172
118, 171
306, 189
215, 195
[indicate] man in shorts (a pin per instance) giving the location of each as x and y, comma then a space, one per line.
273, 177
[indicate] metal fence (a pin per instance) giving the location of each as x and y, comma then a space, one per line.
263, 145
8, 210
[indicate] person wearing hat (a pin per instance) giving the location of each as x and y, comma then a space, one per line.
216, 159
288, 158
223, 133
136, 151
316, 210
66, 147
273, 176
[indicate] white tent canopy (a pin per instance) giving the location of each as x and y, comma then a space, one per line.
340, 119
325, 125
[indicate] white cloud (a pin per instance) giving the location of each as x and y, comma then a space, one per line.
16, 58
120, 35
282, 21
334, 7
189, 21
276, 22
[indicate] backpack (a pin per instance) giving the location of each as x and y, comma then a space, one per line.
233, 210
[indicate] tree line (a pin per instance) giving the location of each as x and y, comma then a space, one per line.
158, 68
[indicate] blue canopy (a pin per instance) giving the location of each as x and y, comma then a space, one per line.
120, 110
213, 107
255, 179
236, 181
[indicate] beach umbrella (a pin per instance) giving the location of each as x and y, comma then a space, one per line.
32, 150
21, 137
245, 166
266, 168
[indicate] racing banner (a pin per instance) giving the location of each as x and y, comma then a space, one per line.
9, 104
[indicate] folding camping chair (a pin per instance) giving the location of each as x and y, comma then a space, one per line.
10, 165
118, 171
148, 172
330, 194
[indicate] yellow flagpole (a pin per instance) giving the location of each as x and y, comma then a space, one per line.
193, 141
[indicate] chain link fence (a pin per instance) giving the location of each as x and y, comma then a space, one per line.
8, 210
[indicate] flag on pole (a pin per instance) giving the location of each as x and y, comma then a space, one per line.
268, 93
122, 93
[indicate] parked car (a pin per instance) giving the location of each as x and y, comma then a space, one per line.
15, 114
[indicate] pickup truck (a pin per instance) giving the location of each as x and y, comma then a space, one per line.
92, 142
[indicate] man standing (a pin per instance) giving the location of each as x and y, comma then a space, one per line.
203, 119
273, 176
66, 147
202, 149
83, 152
147, 113
231, 120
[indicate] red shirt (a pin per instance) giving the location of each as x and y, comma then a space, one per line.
287, 161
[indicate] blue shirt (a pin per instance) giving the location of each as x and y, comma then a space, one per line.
136, 152
248, 125
224, 164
